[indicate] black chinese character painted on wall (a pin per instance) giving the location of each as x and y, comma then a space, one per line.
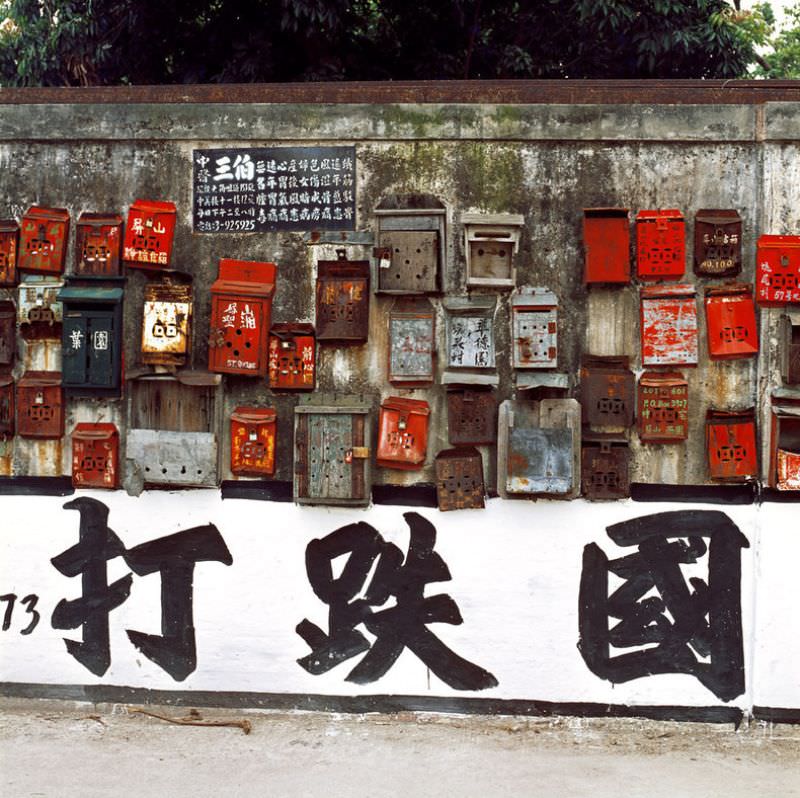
353, 599
664, 622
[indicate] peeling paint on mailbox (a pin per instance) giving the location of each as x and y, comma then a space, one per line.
669, 325
778, 270
95, 456
43, 240
9, 244
165, 328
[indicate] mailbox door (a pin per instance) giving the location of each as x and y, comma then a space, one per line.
413, 263
237, 334
663, 408
717, 243
165, 327
342, 306
731, 323
470, 341
539, 460
669, 326
149, 233
471, 417
8, 333
604, 470
40, 410
43, 241
411, 340
292, 357
459, 480
731, 442
778, 270
6, 406
403, 433
90, 349
535, 338
608, 396
660, 245
491, 261
95, 456
9, 244
253, 441
98, 249
606, 240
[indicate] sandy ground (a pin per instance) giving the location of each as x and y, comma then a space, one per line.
65, 749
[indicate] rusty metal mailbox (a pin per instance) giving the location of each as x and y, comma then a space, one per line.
9, 246
95, 456
98, 245
604, 466
790, 347
491, 241
459, 479
471, 416
411, 342
731, 321
43, 240
469, 327
39, 311
778, 270
241, 310
538, 449
8, 334
292, 357
6, 406
607, 245
607, 388
731, 444
342, 299
253, 441
534, 328
332, 450
663, 410
660, 245
785, 440
166, 322
669, 325
149, 234
40, 405
403, 433
717, 243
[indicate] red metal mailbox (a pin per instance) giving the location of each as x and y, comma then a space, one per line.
98, 245
253, 441
731, 444
40, 405
669, 325
731, 321
8, 333
342, 299
241, 310
663, 410
778, 270
95, 456
149, 234
43, 240
9, 245
292, 357
717, 243
604, 466
607, 391
607, 243
6, 406
403, 433
459, 479
660, 245
785, 440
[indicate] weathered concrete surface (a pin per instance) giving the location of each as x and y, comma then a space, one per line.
82, 751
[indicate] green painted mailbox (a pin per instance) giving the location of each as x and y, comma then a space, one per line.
91, 339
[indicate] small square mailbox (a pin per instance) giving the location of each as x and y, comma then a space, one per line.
292, 357
98, 245
40, 405
95, 456
39, 311
253, 441
43, 240
471, 416
607, 389
604, 467
6, 406
411, 342
607, 246
459, 479
9, 247
491, 241
731, 321
403, 433
149, 234
342, 299
534, 328
717, 243
663, 410
778, 270
669, 325
166, 323
731, 444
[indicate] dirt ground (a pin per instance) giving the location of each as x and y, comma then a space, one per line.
67, 749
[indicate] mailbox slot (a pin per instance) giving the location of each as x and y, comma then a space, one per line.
40, 405
663, 410
292, 357
660, 245
6, 406
95, 456
43, 240
9, 248
607, 245
149, 234
534, 328
717, 243
411, 342
166, 323
604, 467
403, 433
459, 480
471, 416
343, 299
253, 441
731, 444
98, 245
778, 270
491, 241
669, 325
607, 387
731, 322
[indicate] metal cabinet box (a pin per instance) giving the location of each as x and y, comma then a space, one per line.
253, 432
6, 406
149, 234
534, 328
731, 444
663, 410
607, 246
39, 311
43, 240
8, 333
98, 245
91, 345
778, 270
471, 416
538, 448
9, 246
95, 456
408, 261
166, 323
403, 433
241, 312
605, 467
669, 325
660, 245
491, 241
731, 321
411, 342
459, 480
469, 329
784, 471
332, 450
40, 405
607, 391
342, 299
717, 243
292, 357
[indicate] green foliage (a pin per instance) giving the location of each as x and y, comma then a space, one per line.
784, 59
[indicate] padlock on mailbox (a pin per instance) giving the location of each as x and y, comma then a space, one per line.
43, 240
785, 440
166, 322
604, 466
39, 311
149, 234
669, 325
292, 357
95, 456
607, 245
459, 479
241, 311
491, 240
403, 433
342, 299
731, 321
411, 342
8, 334
98, 245
253, 432
9, 248
6, 406
660, 245
534, 328
663, 407
778, 270
40, 405
471, 416
607, 388
717, 243
731, 445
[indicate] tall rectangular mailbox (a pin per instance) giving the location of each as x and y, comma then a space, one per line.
95, 456
717, 243
660, 245
241, 310
8, 333
332, 450
669, 325
6, 406
43, 240
663, 410
98, 245
40, 405
785, 440
9, 246
778, 270
342, 299
469, 323
534, 328
403, 433
292, 357
411, 342
471, 416
459, 479
790, 347
253, 441
607, 245
607, 388
731, 444
149, 234
731, 321
166, 323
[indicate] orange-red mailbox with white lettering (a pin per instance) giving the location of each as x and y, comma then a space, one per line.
731, 444
403, 433
778, 270
43, 240
149, 234
95, 456
292, 357
253, 441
